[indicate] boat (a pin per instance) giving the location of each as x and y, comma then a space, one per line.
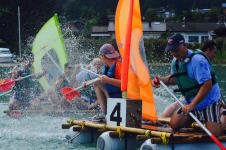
151, 135
148, 137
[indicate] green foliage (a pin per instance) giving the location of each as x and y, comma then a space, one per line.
221, 50
151, 15
34, 13
155, 50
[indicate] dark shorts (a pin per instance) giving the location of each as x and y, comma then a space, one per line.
210, 113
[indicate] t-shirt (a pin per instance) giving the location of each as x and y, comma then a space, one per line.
199, 69
83, 76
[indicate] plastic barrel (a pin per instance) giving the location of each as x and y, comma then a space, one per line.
105, 142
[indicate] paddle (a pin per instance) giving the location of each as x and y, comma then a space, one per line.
8, 83
191, 114
90, 71
70, 93
5, 93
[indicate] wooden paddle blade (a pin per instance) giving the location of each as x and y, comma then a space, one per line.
69, 93
6, 84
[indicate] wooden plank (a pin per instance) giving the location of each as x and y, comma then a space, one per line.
114, 128
188, 140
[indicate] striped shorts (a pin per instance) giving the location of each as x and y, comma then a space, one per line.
210, 113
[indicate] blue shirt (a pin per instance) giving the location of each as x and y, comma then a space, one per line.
199, 69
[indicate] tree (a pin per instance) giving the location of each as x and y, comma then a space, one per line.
151, 15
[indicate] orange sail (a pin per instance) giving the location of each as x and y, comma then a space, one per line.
139, 83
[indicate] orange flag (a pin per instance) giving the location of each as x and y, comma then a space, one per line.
139, 83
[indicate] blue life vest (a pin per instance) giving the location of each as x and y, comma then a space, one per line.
187, 86
113, 91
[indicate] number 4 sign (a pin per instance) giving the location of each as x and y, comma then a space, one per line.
116, 111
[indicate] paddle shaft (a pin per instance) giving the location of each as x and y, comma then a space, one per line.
5, 93
87, 84
17, 79
191, 114
90, 71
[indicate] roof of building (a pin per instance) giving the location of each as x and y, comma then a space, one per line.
99, 29
162, 27
192, 27
147, 27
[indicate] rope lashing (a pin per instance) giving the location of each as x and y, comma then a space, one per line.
147, 133
119, 132
83, 124
163, 138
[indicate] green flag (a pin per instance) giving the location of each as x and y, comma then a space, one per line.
49, 52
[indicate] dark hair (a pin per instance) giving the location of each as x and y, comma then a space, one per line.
67, 65
208, 44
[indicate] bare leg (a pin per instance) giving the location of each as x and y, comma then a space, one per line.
223, 116
178, 121
102, 96
215, 128
169, 110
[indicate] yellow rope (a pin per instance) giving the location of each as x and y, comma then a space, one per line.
105, 127
70, 122
163, 138
147, 133
83, 124
119, 132
193, 125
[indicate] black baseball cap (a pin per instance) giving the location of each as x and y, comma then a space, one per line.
174, 41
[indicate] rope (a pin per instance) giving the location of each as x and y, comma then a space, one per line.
83, 124
147, 133
70, 122
105, 127
193, 125
119, 132
163, 138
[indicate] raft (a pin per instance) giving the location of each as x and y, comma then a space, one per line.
152, 136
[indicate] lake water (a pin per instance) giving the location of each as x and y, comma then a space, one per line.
44, 132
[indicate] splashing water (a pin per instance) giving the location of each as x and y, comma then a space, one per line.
44, 132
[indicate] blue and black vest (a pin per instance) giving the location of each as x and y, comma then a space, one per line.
113, 91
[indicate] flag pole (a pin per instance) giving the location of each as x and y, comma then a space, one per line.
126, 52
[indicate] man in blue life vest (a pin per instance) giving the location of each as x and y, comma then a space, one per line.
110, 83
194, 75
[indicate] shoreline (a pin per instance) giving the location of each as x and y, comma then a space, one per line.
168, 64
8, 64
150, 64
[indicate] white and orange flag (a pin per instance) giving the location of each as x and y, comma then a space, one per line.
129, 35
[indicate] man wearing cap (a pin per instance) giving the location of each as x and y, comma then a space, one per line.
192, 73
110, 83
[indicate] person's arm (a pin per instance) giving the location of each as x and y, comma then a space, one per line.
112, 81
166, 80
202, 74
58, 81
202, 93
